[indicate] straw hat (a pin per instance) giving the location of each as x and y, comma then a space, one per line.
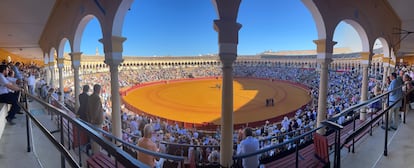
274, 140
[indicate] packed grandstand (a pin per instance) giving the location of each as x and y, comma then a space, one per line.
203, 140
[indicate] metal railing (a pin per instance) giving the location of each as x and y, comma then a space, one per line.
123, 143
353, 111
118, 154
66, 126
129, 161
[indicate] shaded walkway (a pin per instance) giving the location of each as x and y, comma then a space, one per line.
13, 146
369, 150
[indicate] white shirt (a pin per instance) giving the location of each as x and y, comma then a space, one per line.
3, 83
11, 80
246, 146
31, 80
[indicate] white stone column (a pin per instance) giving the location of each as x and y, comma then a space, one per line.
226, 143
52, 74
365, 63
76, 58
324, 50
116, 99
113, 57
47, 74
323, 92
385, 74
60, 67
228, 33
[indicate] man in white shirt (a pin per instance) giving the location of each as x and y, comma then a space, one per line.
6, 96
31, 82
249, 145
11, 78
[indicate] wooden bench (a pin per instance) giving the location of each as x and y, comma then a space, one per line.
100, 160
290, 160
348, 128
311, 156
364, 132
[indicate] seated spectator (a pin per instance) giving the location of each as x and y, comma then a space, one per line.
8, 97
214, 158
146, 143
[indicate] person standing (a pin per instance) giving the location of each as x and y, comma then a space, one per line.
95, 113
83, 103
16, 69
31, 82
249, 145
393, 97
8, 97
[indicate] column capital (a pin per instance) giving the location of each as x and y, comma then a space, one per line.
115, 44
60, 62
324, 45
75, 58
51, 64
366, 57
228, 31
227, 53
113, 62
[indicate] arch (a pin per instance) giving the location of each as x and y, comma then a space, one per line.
79, 31
120, 16
317, 17
61, 47
363, 36
385, 46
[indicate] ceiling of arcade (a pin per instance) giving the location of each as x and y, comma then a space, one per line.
22, 23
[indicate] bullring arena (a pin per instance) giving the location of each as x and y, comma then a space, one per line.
198, 101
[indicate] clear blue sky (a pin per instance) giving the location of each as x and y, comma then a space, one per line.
185, 28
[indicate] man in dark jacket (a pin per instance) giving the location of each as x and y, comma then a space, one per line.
83, 103
95, 113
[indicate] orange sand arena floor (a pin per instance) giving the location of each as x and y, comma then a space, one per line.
199, 101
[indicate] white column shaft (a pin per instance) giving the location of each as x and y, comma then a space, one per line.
226, 143
61, 85
116, 100
364, 90
77, 87
323, 89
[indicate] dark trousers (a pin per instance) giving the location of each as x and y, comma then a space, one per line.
10, 98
